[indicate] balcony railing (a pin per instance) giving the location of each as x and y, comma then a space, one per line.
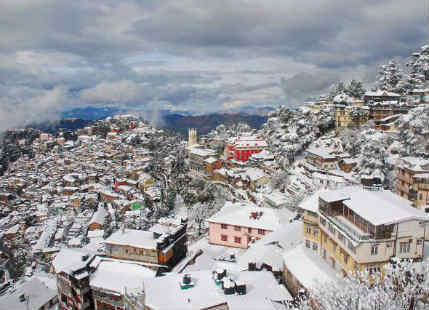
351, 233
343, 225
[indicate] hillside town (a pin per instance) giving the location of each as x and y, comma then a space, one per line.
122, 215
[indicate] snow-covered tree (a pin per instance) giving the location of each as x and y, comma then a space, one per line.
339, 88
355, 89
389, 77
405, 285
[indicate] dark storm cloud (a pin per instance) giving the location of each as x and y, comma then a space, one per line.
305, 84
341, 32
194, 54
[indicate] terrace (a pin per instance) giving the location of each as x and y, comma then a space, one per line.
351, 223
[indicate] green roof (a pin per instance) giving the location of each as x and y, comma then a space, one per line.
137, 206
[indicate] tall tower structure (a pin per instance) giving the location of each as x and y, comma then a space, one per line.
192, 137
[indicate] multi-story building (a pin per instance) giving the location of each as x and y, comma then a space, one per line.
155, 249
114, 283
380, 110
242, 147
325, 154
387, 124
311, 231
380, 96
363, 230
419, 96
71, 267
413, 180
201, 160
237, 225
350, 116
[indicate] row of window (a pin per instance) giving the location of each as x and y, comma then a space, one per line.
312, 245
225, 238
315, 231
238, 228
404, 247
136, 251
341, 237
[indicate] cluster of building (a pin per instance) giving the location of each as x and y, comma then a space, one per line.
81, 211
73, 197
382, 107
245, 163
354, 229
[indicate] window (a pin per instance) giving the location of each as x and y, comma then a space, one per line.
315, 232
323, 221
261, 232
308, 230
224, 237
374, 249
346, 258
373, 269
341, 237
355, 265
223, 226
331, 229
237, 239
307, 243
314, 246
404, 247
237, 228
249, 230
419, 242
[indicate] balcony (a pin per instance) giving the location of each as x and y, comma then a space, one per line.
348, 229
423, 186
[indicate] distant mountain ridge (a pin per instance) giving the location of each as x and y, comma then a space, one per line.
90, 113
77, 118
70, 124
205, 123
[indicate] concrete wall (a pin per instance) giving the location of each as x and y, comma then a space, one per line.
216, 231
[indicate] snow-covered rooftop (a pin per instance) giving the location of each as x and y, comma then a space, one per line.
378, 207
135, 238
202, 296
240, 215
414, 163
38, 295
68, 260
262, 290
98, 217
381, 93
308, 267
116, 275
269, 250
202, 152
311, 203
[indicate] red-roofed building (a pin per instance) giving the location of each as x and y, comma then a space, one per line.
242, 147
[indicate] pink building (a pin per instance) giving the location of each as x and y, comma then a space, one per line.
239, 224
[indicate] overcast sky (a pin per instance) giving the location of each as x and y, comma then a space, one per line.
193, 55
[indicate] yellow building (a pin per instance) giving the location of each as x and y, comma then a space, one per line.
350, 116
357, 229
413, 180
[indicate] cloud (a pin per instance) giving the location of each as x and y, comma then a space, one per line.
23, 106
123, 91
305, 84
193, 55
